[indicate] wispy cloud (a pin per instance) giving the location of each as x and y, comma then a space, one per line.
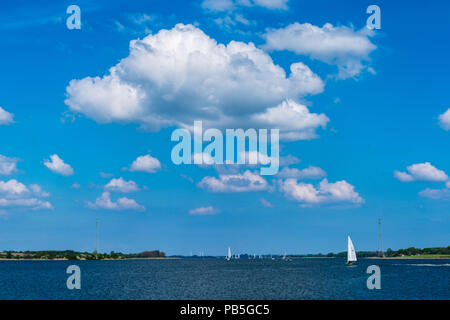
210, 210
8, 165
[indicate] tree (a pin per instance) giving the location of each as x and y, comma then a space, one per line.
71, 256
389, 252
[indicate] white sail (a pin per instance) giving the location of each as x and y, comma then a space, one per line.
229, 253
351, 254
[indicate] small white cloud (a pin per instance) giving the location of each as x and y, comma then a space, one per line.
120, 185
308, 173
76, 185
421, 172
12, 187
105, 202
288, 160
6, 118
403, 176
294, 120
341, 46
8, 165
436, 194
32, 203
228, 183
57, 165
271, 4
14, 194
146, 163
326, 192
444, 120
142, 18
38, 191
204, 211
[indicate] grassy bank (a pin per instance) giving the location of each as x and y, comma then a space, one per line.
421, 256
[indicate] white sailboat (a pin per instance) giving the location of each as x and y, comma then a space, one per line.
285, 257
229, 254
351, 254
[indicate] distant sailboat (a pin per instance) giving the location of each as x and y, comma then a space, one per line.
229, 254
285, 257
351, 254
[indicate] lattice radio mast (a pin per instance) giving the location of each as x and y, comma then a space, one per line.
380, 239
96, 237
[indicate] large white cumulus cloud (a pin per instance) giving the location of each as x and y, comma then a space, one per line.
180, 75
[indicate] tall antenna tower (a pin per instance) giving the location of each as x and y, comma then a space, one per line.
96, 237
380, 239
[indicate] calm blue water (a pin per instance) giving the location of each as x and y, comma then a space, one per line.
219, 279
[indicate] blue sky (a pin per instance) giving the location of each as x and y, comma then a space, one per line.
383, 135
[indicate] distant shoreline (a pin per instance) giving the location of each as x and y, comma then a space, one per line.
62, 259
410, 258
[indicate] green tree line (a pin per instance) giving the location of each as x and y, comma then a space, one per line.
74, 255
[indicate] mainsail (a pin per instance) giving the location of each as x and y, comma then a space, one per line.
351, 254
229, 254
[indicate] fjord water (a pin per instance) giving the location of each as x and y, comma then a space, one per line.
301, 278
